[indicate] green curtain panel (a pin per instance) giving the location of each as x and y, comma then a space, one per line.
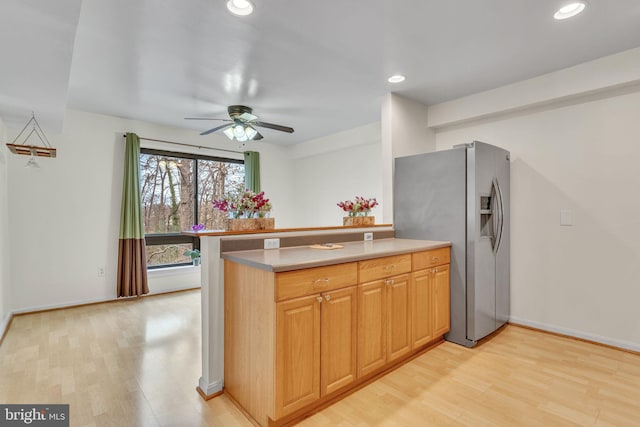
252, 170
132, 259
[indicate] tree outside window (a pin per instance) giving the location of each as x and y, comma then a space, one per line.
177, 191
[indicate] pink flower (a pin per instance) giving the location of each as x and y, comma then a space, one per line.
359, 205
243, 203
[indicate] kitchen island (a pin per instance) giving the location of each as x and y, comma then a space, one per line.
305, 326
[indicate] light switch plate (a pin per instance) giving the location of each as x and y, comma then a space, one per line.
566, 217
368, 236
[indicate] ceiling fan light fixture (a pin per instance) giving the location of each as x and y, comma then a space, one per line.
569, 10
396, 78
238, 131
250, 132
229, 133
240, 7
243, 124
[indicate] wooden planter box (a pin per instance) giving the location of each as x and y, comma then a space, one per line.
242, 224
358, 221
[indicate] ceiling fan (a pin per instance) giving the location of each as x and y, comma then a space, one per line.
242, 124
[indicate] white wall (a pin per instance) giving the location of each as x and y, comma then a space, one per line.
336, 168
5, 304
65, 216
581, 156
405, 131
405, 123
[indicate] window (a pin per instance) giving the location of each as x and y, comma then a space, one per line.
177, 190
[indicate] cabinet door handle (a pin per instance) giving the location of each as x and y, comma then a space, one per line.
388, 282
319, 299
435, 270
327, 297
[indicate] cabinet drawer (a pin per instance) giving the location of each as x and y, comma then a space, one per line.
427, 259
298, 283
379, 268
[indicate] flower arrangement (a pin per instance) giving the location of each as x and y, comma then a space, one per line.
358, 207
197, 227
246, 204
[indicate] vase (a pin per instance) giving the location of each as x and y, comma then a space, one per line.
358, 221
244, 224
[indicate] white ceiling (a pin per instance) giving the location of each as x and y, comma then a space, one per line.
318, 66
36, 47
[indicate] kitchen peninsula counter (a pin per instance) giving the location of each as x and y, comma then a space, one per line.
215, 242
305, 326
302, 257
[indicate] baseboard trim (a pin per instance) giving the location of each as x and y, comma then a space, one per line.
209, 390
4, 327
209, 397
577, 335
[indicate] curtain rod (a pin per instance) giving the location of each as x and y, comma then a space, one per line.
188, 145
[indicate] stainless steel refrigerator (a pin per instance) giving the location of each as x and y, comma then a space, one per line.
462, 195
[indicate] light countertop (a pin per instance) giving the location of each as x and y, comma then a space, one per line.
300, 257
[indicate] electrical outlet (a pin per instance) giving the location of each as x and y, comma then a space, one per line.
271, 243
368, 236
100, 271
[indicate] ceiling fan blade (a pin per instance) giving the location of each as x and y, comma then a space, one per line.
207, 132
274, 127
206, 118
257, 137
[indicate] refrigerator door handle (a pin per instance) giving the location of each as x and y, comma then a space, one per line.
498, 213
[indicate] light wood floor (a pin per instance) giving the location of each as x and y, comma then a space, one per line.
136, 363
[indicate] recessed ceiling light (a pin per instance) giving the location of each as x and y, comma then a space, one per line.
396, 78
570, 10
240, 7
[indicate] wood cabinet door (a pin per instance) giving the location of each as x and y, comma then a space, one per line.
372, 307
442, 320
398, 317
297, 353
422, 313
339, 327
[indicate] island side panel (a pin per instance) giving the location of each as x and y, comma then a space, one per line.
212, 292
249, 327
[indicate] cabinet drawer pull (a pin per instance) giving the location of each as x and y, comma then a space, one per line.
389, 267
435, 258
319, 299
321, 283
327, 297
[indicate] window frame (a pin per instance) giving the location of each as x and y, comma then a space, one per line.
178, 238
